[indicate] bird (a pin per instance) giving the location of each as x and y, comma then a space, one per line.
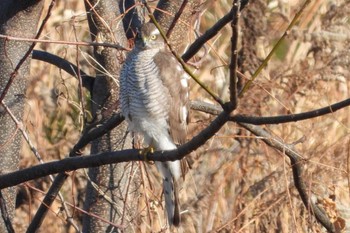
154, 97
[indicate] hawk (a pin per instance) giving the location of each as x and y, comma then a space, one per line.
155, 102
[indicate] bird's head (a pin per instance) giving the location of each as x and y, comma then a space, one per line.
149, 37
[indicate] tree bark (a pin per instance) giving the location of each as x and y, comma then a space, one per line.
17, 18
104, 21
112, 199
185, 10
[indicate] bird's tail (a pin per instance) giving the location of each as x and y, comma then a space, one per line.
170, 192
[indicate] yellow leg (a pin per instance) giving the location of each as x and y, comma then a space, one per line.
145, 152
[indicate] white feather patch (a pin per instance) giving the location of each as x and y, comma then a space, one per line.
155, 32
183, 113
184, 82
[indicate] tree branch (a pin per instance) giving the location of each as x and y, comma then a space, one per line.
176, 18
5, 215
73, 163
95, 131
291, 117
70, 68
210, 33
296, 164
256, 120
234, 55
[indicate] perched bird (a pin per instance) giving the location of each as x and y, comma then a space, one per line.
155, 101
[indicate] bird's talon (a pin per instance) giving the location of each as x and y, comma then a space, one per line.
145, 152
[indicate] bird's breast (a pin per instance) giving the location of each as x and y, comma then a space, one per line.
145, 93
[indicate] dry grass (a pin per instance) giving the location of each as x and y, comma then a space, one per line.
237, 183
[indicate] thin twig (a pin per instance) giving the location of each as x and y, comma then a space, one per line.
176, 18
5, 215
296, 164
63, 42
125, 200
273, 51
80, 81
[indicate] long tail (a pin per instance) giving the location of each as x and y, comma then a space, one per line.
170, 191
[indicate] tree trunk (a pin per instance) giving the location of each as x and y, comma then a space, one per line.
17, 18
183, 12
110, 202
112, 199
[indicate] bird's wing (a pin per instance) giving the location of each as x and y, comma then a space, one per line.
175, 79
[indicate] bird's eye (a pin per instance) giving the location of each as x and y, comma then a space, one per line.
153, 37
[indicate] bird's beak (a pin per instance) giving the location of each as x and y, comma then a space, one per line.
141, 41
145, 40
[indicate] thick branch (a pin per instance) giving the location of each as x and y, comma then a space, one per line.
74, 163
96, 130
65, 65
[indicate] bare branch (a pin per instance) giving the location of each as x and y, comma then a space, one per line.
296, 164
176, 18
5, 215
80, 43
234, 55
256, 120
70, 68
210, 33
291, 117
96, 130
73, 163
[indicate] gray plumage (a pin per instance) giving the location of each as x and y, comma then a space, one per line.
154, 101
